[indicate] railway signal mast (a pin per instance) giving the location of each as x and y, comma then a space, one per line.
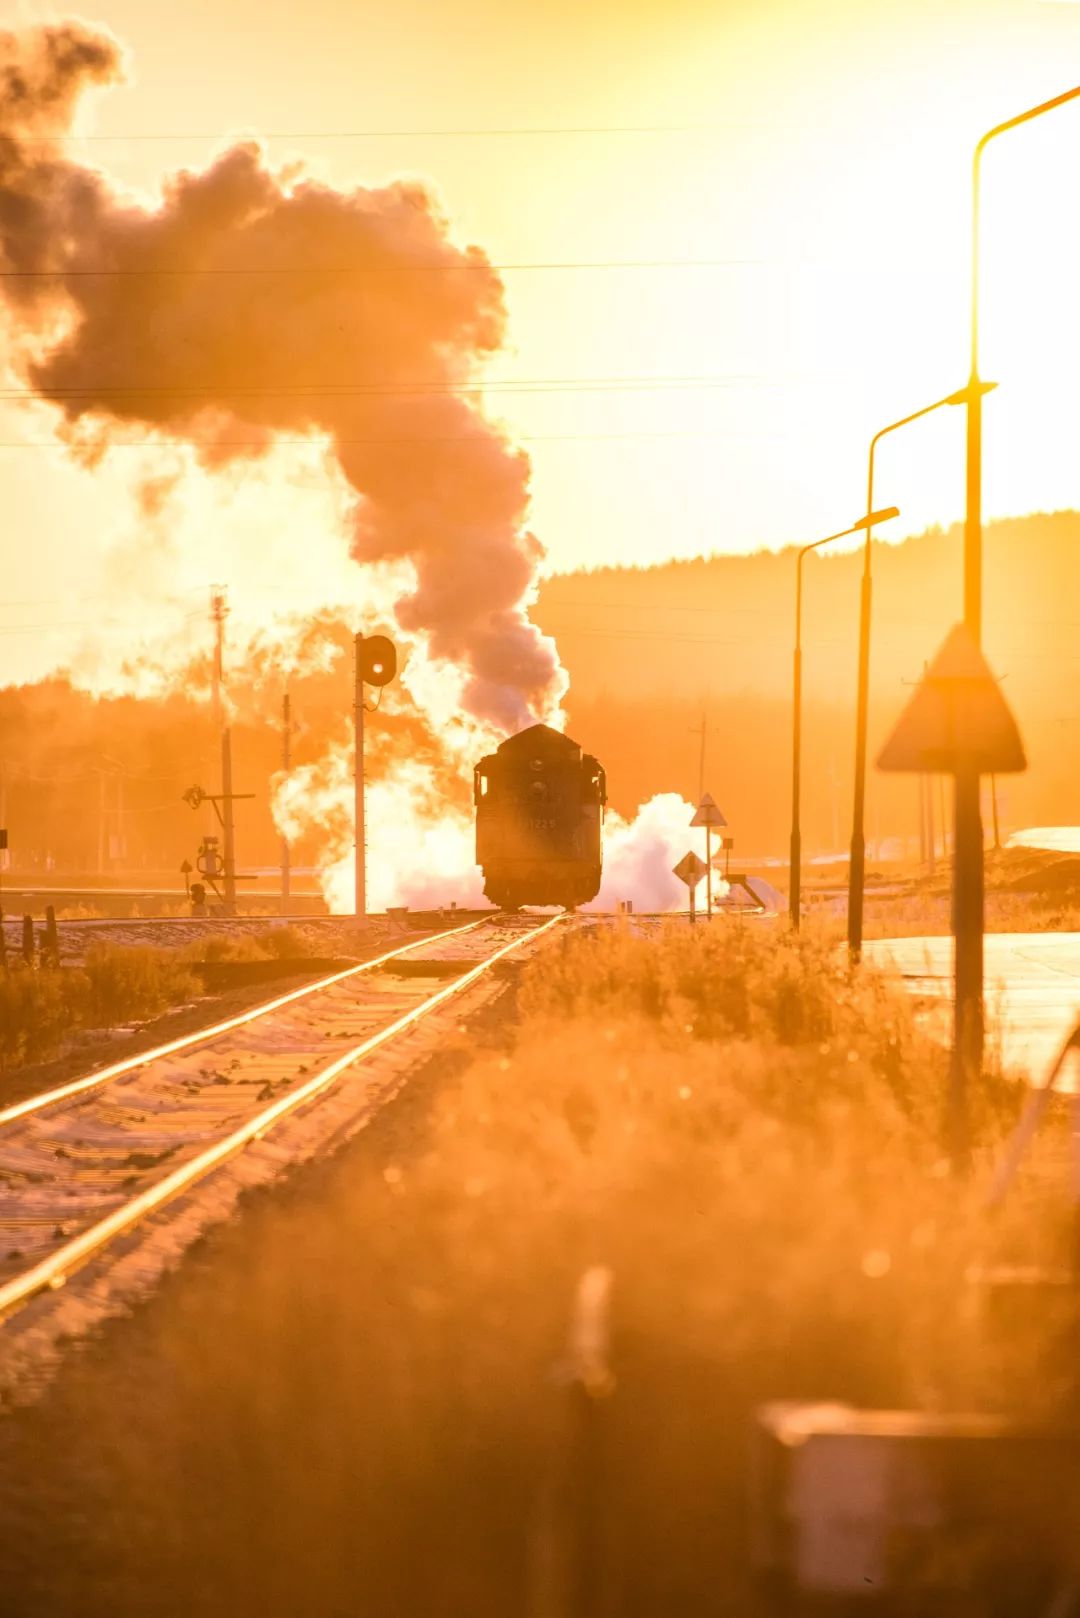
376, 664
286, 766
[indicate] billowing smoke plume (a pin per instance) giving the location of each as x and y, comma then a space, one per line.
252, 303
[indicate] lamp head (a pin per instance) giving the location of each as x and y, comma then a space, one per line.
962, 396
872, 518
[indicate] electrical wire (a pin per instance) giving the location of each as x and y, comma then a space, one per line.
476, 440
335, 390
471, 266
513, 131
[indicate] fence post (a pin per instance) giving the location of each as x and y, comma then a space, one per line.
52, 937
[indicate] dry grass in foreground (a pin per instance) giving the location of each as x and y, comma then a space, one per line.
41, 1008
350, 1408
268, 944
930, 914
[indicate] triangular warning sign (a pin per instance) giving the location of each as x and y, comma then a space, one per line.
707, 813
956, 719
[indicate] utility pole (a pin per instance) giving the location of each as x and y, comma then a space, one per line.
994, 806
863, 525
3, 863
923, 856
218, 612
121, 855
286, 765
376, 664
702, 731
969, 858
358, 776
102, 813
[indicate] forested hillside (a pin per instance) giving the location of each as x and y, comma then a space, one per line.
96, 784
652, 650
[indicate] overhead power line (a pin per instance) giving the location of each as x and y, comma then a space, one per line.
107, 625
437, 389
478, 440
462, 266
505, 131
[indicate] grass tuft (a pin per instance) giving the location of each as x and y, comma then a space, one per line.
42, 1008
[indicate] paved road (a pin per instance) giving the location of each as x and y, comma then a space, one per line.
1032, 990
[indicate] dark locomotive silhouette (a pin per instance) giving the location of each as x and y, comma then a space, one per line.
539, 811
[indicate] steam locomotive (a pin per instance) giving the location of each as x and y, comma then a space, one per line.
539, 811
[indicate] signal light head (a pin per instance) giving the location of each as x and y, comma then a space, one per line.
376, 659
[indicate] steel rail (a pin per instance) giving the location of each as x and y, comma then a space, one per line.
13, 919
90, 1081
53, 1272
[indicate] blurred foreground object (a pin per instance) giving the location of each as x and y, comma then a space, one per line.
910, 1511
572, 1572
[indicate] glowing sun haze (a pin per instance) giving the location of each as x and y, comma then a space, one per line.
710, 306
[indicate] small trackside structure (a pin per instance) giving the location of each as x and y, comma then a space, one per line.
539, 818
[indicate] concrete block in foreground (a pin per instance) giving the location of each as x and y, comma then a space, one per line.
911, 1510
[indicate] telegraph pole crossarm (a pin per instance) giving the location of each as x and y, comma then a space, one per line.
195, 796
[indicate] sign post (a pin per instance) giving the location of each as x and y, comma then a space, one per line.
709, 816
958, 723
690, 870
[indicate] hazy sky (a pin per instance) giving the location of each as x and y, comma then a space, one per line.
740, 233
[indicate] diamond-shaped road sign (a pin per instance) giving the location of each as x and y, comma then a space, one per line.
690, 870
707, 813
957, 719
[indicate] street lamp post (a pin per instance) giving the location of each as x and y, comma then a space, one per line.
969, 861
857, 865
795, 880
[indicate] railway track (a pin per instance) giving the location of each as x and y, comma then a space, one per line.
89, 1162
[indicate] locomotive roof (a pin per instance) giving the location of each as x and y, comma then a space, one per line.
539, 736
